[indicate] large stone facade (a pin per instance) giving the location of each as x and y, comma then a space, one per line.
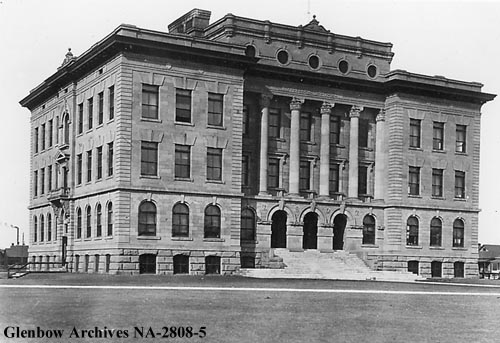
260, 136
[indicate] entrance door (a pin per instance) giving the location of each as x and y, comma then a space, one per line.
339, 224
278, 230
310, 237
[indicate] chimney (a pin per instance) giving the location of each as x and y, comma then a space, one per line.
192, 23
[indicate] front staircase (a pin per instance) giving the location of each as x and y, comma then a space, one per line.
337, 265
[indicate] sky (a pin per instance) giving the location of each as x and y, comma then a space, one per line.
456, 39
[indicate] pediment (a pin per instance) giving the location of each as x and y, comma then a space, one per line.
61, 157
314, 26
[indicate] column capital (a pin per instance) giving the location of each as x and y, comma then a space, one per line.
296, 104
355, 111
265, 99
381, 115
326, 108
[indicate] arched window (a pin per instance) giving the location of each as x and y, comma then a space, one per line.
436, 228
180, 220
78, 222
212, 222
110, 219
181, 264
66, 128
42, 228
35, 229
412, 231
458, 233
98, 217
88, 232
147, 219
49, 227
368, 229
247, 225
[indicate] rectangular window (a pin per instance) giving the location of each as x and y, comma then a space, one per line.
149, 158
304, 175
214, 164
183, 105
335, 129
110, 159
273, 173
414, 181
49, 178
99, 163
415, 133
57, 130
305, 127
246, 120
80, 118
100, 108
460, 184
50, 131
42, 138
90, 106
35, 183
79, 162
274, 123
150, 101
334, 178
245, 171
363, 180
437, 182
364, 127
35, 140
42, 181
215, 109
111, 102
182, 161
438, 136
461, 138
89, 165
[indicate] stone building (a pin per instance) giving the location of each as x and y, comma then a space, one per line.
202, 149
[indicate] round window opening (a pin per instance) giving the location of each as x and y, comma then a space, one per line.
283, 57
343, 66
250, 51
372, 71
314, 62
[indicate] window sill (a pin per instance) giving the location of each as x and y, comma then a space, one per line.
414, 196
337, 145
461, 153
151, 120
220, 182
110, 121
460, 199
415, 148
87, 239
149, 238
442, 151
369, 246
277, 139
108, 238
99, 126
437, 197
436, 248
214, 240
153, 177
185, 179
183, 123
181, 238
308, 142
414, 247
459, 248
365, 148
216, 127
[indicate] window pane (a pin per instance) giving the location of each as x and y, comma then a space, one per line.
215, 106
149, 158
414, 133
274, 123
182, 161
150, 101
214, 164
183, 105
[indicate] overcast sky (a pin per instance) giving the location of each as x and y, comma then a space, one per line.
455, 39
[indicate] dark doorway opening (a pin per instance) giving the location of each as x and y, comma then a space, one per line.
212, 264
147, 264
459, 270
181, 264
310, 237
278, 229
339, 224
436, 268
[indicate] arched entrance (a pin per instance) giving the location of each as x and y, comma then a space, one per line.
278, 229
310, 238
339, 224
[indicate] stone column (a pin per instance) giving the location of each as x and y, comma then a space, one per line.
265, 100
354, 151
380, 157
324, 167
295, 106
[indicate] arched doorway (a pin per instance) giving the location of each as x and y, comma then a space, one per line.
278, 229
339, 224
310, 237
